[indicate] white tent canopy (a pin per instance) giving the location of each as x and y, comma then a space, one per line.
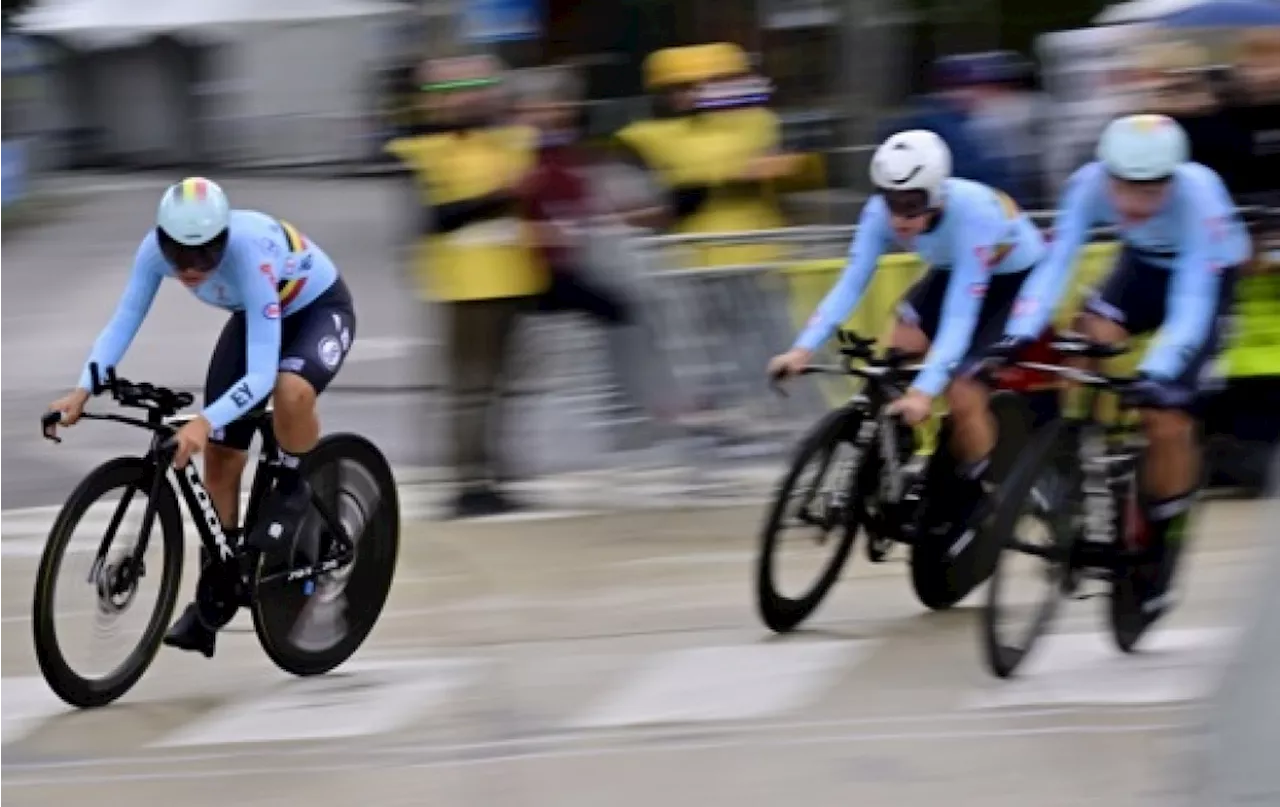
1140, 10
118, 22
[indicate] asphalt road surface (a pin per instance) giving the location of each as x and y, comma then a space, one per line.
617, 659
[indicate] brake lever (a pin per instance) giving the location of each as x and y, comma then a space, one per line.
776, 386
49, 426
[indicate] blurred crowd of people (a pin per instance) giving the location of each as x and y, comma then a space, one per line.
516, 212
518, 215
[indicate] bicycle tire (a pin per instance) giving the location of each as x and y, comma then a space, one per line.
938, 579
780, 613
276, 606
1046, 448
66, 683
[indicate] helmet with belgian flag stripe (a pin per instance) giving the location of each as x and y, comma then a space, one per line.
192, 224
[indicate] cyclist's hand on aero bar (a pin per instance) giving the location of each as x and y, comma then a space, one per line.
788, 364
71, 406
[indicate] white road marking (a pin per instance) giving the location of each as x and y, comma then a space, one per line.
496, 753
363, 698
1175, 665
722, 683
939, 721
28, 703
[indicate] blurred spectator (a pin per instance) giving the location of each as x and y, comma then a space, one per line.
477, 257
1182, 84
1006, 114
1258, 78
714, 148
947, 111
567, 201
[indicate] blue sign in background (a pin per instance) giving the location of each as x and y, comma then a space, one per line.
502, 20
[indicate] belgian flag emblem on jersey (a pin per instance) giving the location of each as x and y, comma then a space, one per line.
290, 289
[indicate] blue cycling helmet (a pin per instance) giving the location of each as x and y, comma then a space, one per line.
1143, 148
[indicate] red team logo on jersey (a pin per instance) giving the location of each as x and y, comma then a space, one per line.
272, 311
267, 272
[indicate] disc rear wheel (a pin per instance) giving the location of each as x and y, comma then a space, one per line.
309, 627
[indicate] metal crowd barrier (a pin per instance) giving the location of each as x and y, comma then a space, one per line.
715, 327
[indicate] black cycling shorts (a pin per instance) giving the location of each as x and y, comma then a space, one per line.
313, 344
1135, 296
922, 307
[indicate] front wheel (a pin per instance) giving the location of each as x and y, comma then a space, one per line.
835, 508
311, 627
100, 526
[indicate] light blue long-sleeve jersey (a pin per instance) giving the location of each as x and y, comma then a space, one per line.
1196, 235
980, 232
269, 271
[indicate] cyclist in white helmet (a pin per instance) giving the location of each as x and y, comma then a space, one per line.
292, 323
978, 247
1182, 244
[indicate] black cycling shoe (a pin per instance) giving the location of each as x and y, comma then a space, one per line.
191, 633
282, 515
1141, 594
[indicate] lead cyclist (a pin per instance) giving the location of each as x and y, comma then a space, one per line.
979, 248
292, 323
1182, 246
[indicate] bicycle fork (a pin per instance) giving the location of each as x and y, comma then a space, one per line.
132, 568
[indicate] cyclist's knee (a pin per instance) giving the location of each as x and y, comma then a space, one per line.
967, 399
1099, 329
293, 394
908, 338
1168, 426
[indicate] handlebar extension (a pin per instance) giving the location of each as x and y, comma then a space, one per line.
141, 395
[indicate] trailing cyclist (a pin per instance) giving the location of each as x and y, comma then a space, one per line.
292, 324
1182, 245
979, 248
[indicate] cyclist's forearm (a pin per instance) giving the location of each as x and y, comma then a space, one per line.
240, 399
110, 346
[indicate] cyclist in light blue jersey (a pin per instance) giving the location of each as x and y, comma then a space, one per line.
292, 323
1182, 245
979, 248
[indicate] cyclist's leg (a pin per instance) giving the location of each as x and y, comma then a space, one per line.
974, 431
1128, 301
917, 314
224, 461
226, 455
314, 343
1173, 465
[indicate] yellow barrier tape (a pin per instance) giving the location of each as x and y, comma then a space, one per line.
1255, 348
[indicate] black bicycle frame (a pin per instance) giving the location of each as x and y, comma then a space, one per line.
209, 525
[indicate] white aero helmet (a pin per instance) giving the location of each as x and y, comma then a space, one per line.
193, 212
1143, 148
915, 160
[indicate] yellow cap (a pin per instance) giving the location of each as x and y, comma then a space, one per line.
724, 59
670, 67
